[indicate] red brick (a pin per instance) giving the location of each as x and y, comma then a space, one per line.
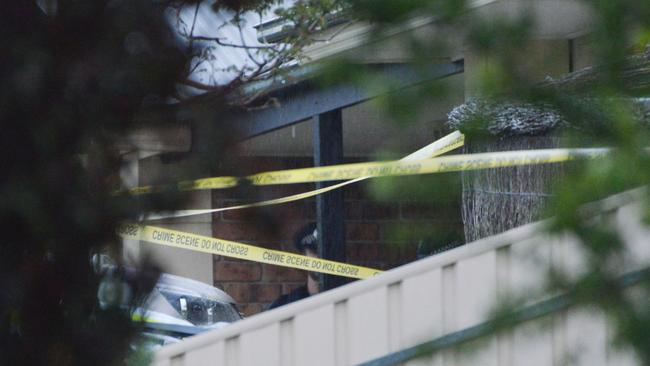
384, 266
263, 230
282, 274
353, 210
232, 259
235, 215
264, 293
368, 224
375, 252
237, 231
237, 271
288, 246
309, 209
275, 244
409, 252
221, 194
366, 252
240, 292
300, 210
419, 211
244, 293
375, 265
290, 228
413, 232
283, 190
250, 309
380, 211
288, 287
354, 191
351, 251
392, 253
362, 232
430, 211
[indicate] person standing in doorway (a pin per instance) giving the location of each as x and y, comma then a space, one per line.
306, 242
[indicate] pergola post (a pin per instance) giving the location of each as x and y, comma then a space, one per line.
328, 150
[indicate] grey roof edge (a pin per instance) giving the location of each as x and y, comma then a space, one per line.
298, 73
277, 29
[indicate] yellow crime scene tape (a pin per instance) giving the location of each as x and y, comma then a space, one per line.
452, 163
416, 163
226, 248
443, 145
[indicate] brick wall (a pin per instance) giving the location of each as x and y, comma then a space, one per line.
374, 233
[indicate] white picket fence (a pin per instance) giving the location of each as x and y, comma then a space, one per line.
443, 295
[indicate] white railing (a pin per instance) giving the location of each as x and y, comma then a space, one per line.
432, 298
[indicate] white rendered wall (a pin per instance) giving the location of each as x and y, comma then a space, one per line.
181, 262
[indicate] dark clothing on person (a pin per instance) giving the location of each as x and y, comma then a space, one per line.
306, 239
295, 295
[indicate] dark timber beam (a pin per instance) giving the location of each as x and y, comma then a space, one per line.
328, 150
300, 100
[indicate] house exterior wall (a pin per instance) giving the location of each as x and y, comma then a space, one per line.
538, 60
369, 233
581, 53
550, 19
198, 266
367, 129
434, 297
